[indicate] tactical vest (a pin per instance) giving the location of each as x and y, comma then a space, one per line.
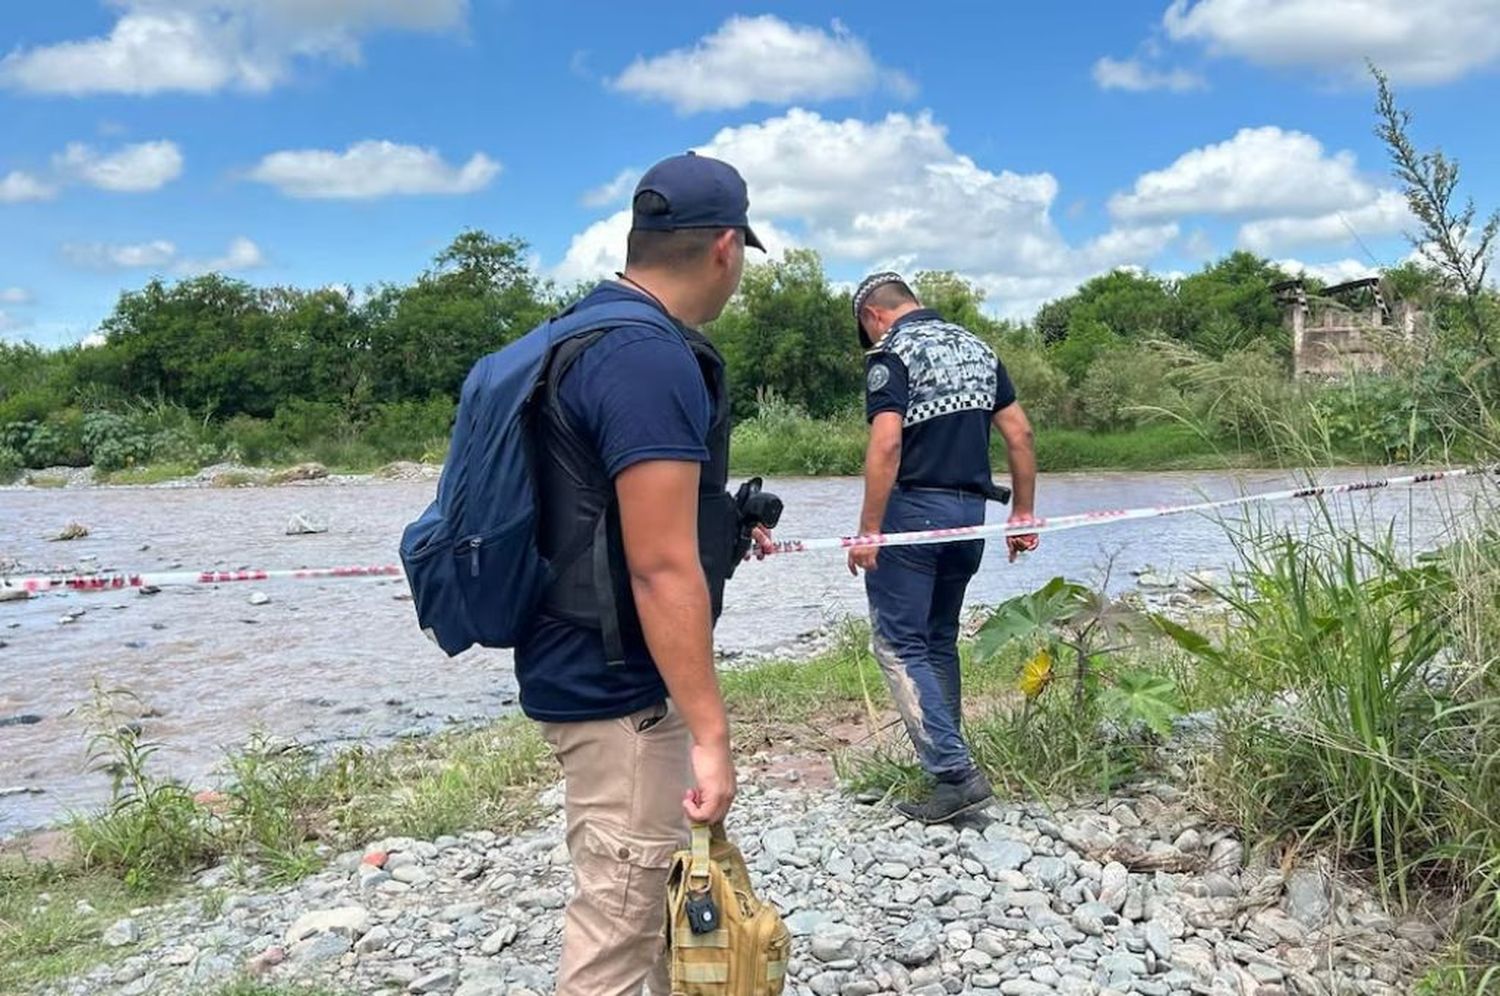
579, 531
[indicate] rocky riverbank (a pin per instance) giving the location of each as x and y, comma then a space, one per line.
1134, 894
221, 475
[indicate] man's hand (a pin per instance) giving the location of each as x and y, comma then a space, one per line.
762, 543
863, 558
1023, 542
714, 784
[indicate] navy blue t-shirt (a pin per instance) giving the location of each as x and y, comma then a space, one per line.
636, 394
947, 385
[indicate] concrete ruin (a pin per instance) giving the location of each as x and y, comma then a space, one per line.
1343, 329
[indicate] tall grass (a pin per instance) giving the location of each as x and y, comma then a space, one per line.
1366, 708
783, 439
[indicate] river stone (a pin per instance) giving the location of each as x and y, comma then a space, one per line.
1158, 940
547, 899
803, 923
483, 987
1094, 918
991, 943
826, 983
1190, 841
1025, 987
347, 921
1307, 899
1227, 856
1276, 927
411, 875
779, 843
1047, 873
1114, 883
319, 948
942, 890
499, 940
835, 942
434, 982
121, 933
378, 939
999, 856
916, 943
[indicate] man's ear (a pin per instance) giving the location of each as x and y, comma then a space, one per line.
725, 245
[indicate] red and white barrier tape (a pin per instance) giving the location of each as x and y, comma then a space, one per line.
1104, 517
163, 579
110, 582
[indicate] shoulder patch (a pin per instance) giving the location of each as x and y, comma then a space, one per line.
878, 377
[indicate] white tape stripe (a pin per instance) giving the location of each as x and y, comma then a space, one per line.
1099, 518
110, 582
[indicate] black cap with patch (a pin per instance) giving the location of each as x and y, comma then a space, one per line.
862, 294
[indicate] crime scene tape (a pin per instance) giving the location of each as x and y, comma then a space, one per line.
115, 581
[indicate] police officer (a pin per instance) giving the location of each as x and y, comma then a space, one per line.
933, 390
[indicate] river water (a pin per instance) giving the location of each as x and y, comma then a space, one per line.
333, 662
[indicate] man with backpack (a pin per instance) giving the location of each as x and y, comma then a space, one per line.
933, 391
632, 463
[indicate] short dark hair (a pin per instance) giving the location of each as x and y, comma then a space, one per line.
890, 295
650, 250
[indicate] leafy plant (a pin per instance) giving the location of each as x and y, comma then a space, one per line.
1070, 621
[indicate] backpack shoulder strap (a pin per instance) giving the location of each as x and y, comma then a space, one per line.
572, 333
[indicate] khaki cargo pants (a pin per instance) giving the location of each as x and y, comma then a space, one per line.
623, 804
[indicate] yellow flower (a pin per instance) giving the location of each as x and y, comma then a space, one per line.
1037, 674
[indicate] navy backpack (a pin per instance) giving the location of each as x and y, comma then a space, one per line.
476, 572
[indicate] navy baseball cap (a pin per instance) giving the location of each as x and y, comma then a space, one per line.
700, 193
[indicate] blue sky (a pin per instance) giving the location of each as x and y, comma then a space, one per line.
1028, 146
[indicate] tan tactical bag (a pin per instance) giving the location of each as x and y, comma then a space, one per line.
741, 945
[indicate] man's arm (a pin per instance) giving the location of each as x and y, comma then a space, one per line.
882, 462
1020, 456
659, 525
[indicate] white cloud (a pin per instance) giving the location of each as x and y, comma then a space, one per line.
10, 323
15, 295
202, 46
1259, 172
893, 190
1429, 42
161, 255
613, 192
864, 191
1136, 76
242, 254
759, 60
17, 187
1333, 272
134, 168
1387, 214
136, 256
372, 169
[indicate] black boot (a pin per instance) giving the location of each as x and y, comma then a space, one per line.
950, 799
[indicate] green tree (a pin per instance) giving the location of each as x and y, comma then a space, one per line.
1131, 304
789, 333
1229, 305
479, 295
1087, 338
203, 343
